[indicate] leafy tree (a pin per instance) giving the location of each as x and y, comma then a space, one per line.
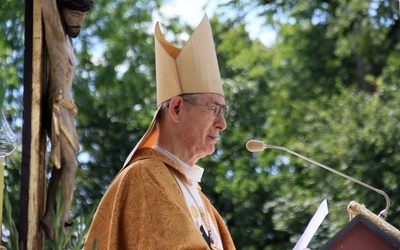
11, 71
114, 91
319, 95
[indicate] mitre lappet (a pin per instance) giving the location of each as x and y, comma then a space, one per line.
188, 70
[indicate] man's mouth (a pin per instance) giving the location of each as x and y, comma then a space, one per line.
213, 137
75, 28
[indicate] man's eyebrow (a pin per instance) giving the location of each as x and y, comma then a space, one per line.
223, 105
217, 103
77, 12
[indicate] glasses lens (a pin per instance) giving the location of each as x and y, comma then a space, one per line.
219, 110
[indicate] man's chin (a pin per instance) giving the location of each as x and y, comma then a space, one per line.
73, 33
212, 150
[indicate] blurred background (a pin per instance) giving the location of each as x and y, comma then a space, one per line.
319, 77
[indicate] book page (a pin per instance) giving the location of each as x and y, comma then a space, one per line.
312, 227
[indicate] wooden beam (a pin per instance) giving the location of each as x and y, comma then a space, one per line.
32, 201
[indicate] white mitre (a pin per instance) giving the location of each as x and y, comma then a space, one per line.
192, 69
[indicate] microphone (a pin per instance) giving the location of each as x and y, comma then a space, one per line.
257, 146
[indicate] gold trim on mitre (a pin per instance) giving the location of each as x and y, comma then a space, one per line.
192, 69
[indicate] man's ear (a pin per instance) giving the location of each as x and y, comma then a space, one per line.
175, 108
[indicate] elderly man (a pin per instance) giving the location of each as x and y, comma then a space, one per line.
62, 21
155, 202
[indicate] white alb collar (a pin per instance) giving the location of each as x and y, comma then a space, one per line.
194, 173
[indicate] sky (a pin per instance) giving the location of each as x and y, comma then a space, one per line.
192, 12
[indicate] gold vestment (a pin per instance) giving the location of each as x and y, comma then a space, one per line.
144, 208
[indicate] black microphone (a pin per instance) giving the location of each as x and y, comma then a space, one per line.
257, 146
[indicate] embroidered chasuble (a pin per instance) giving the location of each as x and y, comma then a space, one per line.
193, 200
147, 206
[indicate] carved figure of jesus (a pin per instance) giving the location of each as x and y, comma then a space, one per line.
62, 22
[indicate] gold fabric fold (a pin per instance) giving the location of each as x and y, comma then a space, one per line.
144, 208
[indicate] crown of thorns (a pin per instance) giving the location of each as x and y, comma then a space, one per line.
80, 5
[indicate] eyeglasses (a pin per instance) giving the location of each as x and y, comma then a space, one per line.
216, 109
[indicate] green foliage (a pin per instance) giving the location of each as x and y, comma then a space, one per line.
11, 52
74, 238
9, 224
327, 88
322, 95
2, 93
114, 91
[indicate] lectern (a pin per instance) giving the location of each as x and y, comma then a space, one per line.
365, 231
